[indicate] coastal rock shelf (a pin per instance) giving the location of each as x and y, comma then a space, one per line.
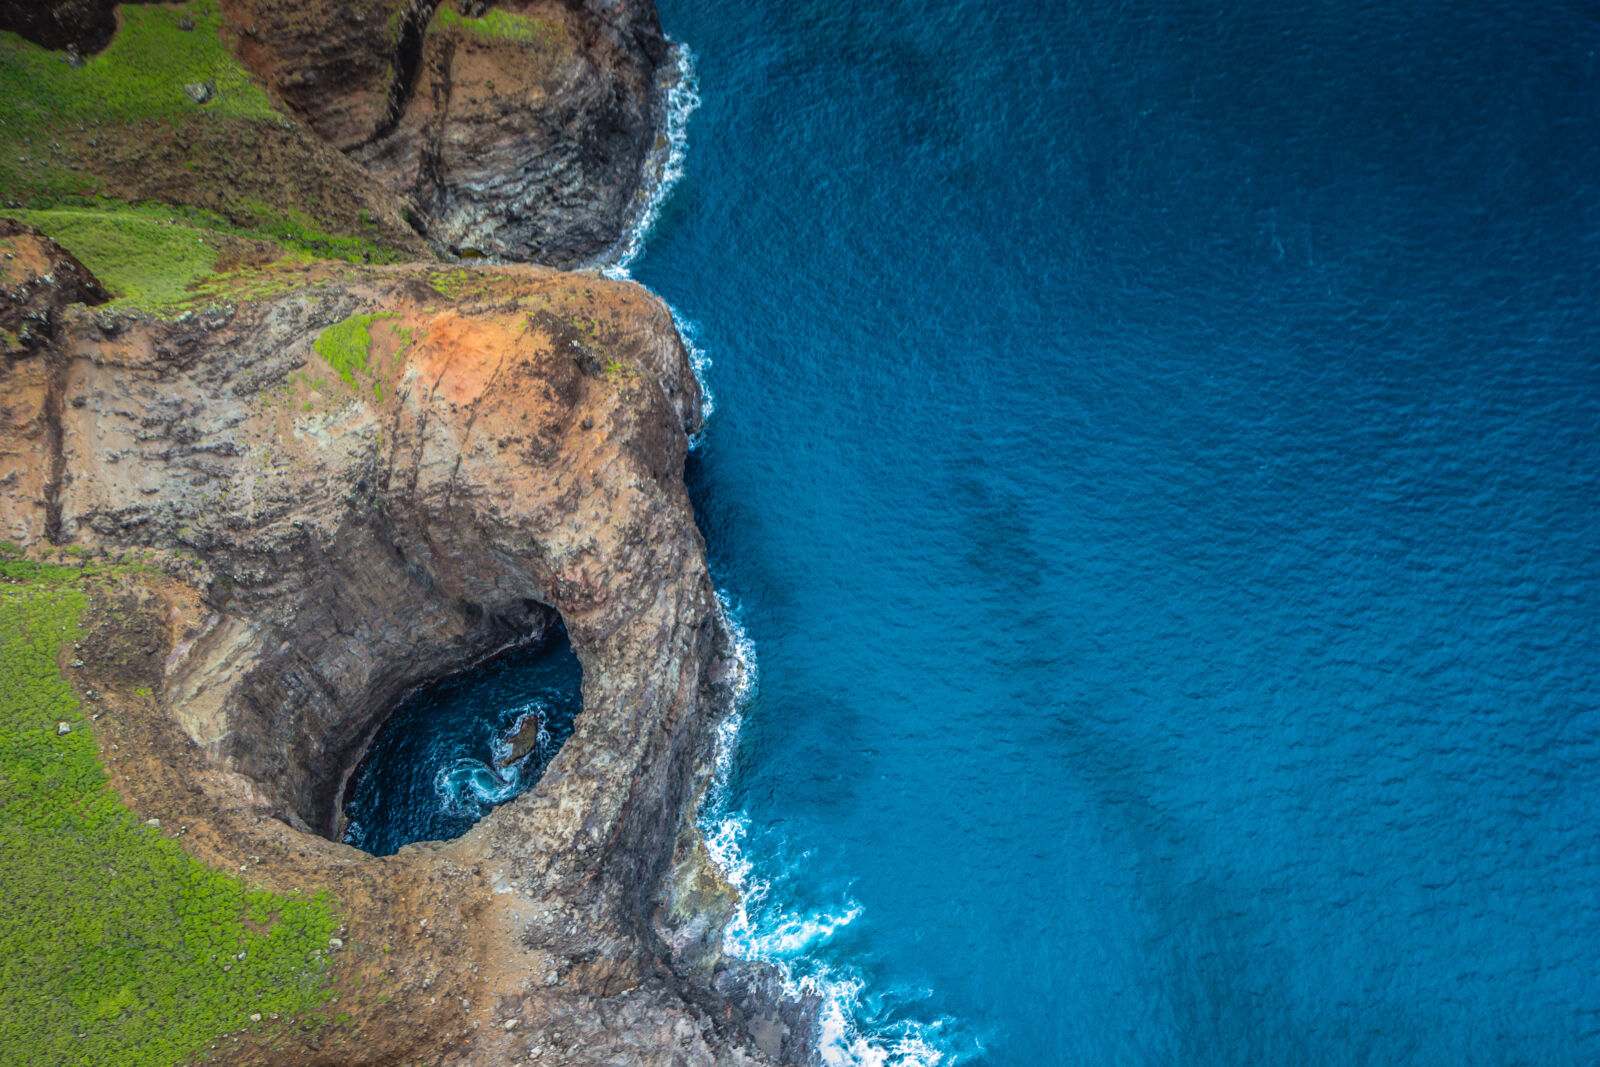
296, 461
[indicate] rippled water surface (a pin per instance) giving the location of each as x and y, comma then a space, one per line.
1155, 462
441, 761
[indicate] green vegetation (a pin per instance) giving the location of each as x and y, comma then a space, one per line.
140, 74
69, 130
149, 256
163, 259
462, 284
116, 947
346, 346
496, 24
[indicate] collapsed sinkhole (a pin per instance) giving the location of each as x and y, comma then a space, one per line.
456, 748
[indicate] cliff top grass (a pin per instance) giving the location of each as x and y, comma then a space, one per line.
147, 256
498, 25
139, 77
165, 259
116, 947
141, 74
82, 138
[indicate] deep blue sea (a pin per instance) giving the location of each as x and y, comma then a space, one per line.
1156, 463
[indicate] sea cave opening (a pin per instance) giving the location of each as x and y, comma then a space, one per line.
457, 747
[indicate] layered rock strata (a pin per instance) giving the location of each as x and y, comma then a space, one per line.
519, 131
372, 477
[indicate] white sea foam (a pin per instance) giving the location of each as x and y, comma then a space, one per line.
680, 88
760, 930
763, 930
699, 362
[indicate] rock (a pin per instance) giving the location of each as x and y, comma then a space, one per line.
82, 25
489, 471
38, 279
506, 451
200, 92
520, 130
63, 728
524, 738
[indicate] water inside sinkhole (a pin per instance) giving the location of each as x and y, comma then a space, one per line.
442, 760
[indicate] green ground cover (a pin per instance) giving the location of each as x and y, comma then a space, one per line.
347, 347
116, 947
163, 259
496, 24
139, 75
54, 115
147, 256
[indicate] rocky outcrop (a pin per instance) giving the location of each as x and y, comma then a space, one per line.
38, 278
336, 482
519, 130
81, 25
372, 477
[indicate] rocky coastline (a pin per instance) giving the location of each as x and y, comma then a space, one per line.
307, 483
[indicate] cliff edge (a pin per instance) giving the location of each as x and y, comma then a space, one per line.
268, 484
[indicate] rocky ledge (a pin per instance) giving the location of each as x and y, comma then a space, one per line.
341, 481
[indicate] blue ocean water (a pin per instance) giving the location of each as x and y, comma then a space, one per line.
1155, 462
442, 760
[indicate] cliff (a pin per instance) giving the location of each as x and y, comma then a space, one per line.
290, 487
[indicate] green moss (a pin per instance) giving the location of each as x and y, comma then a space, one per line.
496, 24
115, 945
346, 346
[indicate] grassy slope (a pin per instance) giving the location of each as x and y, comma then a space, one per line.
496, 24
139, 77
55, 116
115, 946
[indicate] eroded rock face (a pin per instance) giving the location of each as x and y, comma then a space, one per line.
519, 130
373, 476
37, 279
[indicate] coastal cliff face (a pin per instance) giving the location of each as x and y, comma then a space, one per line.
306, 485
368, 478
519, 132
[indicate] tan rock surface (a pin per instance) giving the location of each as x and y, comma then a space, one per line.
511, 449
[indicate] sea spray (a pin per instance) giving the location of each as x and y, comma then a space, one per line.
761, 929
678, 87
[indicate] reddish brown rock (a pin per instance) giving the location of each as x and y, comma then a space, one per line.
519, 130
509, 450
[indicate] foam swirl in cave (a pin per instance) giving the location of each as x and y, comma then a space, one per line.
445, 758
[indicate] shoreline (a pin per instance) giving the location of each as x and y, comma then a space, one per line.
358, 498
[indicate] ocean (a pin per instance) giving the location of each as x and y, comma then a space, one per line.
1154, 471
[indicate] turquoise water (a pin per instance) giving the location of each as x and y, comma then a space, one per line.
442, 759
1155, 465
